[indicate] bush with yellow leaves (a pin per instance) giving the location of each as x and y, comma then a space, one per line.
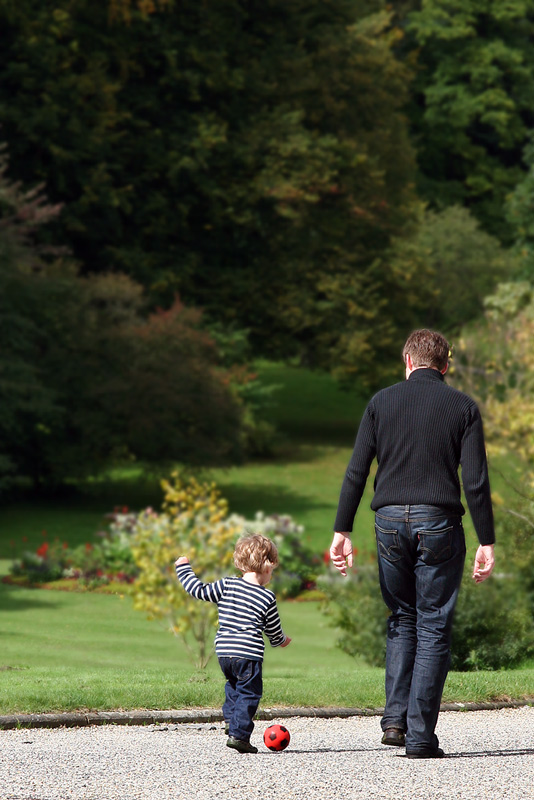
194, 521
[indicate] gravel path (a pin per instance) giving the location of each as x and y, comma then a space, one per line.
490, 754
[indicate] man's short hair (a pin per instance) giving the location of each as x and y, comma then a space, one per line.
427, 349
255, 553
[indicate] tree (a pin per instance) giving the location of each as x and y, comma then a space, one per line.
129, 387
458, 263
520, 214
86, 377
495, 363
252, 157
472, 102
26, 401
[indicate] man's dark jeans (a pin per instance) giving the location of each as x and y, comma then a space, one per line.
244, 687
421, 554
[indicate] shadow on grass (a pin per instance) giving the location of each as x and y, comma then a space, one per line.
17, 599
269, 498
289, 452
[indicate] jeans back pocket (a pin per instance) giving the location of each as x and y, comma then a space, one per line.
387, 543
435, 546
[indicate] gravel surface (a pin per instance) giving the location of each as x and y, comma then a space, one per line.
490, 754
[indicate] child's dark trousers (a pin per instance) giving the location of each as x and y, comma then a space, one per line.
244, 688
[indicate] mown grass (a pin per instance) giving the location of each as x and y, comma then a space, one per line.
64, 651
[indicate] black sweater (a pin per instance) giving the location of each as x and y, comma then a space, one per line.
421, 431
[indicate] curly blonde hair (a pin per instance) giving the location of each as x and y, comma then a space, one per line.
255, 553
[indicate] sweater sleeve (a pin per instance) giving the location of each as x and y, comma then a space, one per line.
273, 626
210, 592
357, 473
475, 478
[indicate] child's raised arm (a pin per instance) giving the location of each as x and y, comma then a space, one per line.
181, 560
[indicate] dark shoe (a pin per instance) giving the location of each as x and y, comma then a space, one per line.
394, 737
240, 746
436, 752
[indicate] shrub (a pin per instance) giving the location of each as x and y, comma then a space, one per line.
493, 625
195, 522
355, 606
109, 559
47, 563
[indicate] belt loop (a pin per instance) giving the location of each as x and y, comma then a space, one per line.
406, 513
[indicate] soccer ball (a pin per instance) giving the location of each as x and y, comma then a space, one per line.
276, 737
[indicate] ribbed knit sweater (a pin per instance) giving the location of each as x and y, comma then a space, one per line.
420, 431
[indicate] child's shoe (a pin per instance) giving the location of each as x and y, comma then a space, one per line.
241, 746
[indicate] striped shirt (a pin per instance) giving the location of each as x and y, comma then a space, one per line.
246, 611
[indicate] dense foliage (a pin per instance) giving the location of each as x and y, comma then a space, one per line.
493, 624
317, 178
252, 157
471, 106
87, 377
195, 522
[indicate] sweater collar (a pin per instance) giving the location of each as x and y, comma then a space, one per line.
425, 373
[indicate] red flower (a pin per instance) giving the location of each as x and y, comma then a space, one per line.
43, 550
326, 556
125, 509
88, 547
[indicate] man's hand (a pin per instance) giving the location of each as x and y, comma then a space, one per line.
484, 562
341, 552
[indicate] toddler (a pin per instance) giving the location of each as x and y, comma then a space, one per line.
247, 609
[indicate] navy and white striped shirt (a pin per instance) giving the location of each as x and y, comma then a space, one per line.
246, 611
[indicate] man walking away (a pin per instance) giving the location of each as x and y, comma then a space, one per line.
420, 431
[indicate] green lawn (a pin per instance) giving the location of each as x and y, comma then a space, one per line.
309, 407
63, 651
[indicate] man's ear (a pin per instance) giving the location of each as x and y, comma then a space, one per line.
445, 368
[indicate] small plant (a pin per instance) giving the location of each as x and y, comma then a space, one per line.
109, 559
355, 606
46, 564
493, 625
195, 522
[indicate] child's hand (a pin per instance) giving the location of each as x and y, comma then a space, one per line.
181, 560
287, 641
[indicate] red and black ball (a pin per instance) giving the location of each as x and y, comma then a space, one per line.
276, 737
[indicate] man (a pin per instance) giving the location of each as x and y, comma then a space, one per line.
420, 431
